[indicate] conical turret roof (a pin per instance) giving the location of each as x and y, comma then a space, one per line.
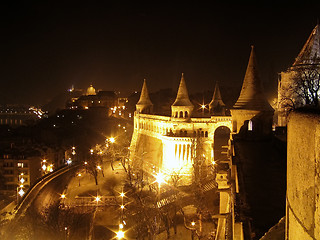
310, 53
144, 97
216, 98
251, 95
182, 96
217, 106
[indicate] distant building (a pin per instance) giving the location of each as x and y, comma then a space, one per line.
93, 99
19, 169
16, 115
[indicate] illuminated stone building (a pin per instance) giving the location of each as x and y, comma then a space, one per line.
94, 99
169, 142
305, 67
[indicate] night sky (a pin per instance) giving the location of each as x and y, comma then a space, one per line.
48, 46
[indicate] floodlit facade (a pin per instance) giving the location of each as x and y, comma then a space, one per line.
169, 141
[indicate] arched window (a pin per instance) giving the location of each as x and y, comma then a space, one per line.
185, 114
206, 134
202, 134
250, 125
181, 114
176, 115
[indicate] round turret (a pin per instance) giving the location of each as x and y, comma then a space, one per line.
182, 107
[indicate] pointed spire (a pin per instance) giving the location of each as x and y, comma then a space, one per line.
217, 106
182, 96
216, 94
251, 95
144, 104
310, 53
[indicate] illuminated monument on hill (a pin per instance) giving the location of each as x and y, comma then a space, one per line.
167, 143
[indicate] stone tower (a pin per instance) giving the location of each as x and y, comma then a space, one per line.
217, 106
252, 108
308, 59
182, 107
144, 105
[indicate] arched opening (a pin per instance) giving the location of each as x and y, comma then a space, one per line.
185, 114
220, 143
181, 114
206, 134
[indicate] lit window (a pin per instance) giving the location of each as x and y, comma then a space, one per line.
250, 125
20, 164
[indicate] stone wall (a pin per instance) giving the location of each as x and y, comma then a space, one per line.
303, 176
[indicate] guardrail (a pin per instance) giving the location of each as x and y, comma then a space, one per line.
41, 183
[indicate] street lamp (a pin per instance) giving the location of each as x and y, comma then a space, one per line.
21, 192
120, 234
97, 199
112, 140
79, 175
160, 178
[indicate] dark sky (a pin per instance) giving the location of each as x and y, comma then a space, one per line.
46, 46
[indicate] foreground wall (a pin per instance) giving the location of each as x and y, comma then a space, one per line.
303, 177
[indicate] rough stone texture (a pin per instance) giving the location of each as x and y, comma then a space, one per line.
303, 178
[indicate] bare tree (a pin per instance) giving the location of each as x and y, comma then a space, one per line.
307, 85
303, 90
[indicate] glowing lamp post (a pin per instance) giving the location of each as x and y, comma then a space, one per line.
97, 199
120, 234
193, 228
203, 107
21, 192
160, 178
79, 175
